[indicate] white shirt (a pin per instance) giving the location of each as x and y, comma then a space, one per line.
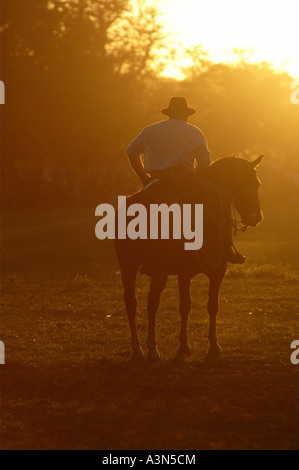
169, 143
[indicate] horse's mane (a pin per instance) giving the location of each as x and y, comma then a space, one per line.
228, 166
232, 160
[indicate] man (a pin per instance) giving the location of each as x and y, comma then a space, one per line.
174, 147
169, 143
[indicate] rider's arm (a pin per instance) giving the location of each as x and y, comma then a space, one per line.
203, 156
202, 152
134, 152
138, 167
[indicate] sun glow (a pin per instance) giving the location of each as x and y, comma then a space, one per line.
264, 30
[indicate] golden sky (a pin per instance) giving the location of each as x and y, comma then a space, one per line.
268, 29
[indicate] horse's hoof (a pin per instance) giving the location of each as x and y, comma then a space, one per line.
137, 356
214, 353
153, 356
183, 353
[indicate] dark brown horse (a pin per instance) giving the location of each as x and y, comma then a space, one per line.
237, 177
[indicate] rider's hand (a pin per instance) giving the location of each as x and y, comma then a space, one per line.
145, 179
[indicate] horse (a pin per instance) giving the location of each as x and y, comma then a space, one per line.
234, 176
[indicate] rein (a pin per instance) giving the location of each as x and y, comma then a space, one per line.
234, 223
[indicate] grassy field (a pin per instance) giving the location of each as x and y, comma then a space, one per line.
67, 382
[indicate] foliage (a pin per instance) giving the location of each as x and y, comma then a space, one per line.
83, 77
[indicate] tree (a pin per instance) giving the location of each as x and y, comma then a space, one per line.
74, 72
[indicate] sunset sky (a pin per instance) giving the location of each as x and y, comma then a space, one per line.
267, 29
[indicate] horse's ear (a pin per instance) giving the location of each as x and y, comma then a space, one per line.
256, 162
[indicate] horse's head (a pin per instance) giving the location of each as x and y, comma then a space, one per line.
238, 177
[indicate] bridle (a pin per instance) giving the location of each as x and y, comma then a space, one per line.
235, 223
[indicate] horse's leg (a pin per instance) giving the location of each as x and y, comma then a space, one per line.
215, 281
129, 282
158, 282
185, 306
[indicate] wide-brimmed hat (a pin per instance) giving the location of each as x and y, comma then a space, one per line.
178, 107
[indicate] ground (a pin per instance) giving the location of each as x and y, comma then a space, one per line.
68, 383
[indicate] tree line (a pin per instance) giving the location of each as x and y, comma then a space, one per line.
82, 78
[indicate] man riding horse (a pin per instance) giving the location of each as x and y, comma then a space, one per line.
170, 149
